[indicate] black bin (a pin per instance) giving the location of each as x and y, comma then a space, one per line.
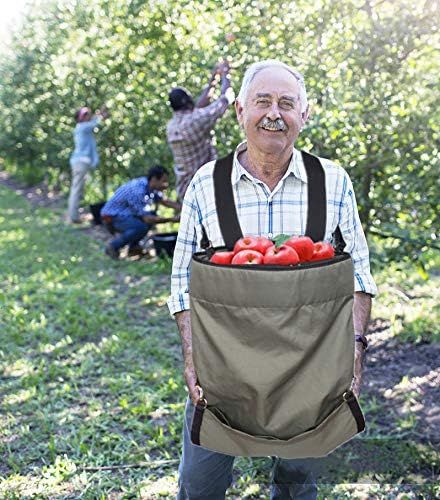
164, 244
95, 209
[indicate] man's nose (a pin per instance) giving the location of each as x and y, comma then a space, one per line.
274, 112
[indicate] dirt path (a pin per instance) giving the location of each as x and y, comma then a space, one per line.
40, 196
401, 387
402, 383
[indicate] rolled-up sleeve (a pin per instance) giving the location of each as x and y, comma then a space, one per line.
355, 241
186, 245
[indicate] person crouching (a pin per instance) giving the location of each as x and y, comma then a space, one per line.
132, 210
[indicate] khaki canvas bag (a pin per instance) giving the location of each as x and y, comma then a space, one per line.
273, 346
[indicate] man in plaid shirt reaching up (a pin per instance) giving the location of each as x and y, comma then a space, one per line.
190, 131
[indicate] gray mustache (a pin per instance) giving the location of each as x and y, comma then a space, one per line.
277, 124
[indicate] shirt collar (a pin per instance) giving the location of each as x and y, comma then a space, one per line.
296, 166
181, 112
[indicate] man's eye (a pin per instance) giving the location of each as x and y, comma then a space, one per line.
263, 102
287, 104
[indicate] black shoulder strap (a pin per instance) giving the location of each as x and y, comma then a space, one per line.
317, 203
317, 197
338, 241
224, 201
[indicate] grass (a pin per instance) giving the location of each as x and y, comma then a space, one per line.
410, 302
91, 378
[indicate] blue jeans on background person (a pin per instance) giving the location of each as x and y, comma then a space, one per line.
206, 475
132, 230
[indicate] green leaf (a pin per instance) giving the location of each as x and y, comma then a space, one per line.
422, 271
280, 239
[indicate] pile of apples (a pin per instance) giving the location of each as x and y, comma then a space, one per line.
262, 250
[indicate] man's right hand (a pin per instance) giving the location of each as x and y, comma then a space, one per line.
191, 382
183, 320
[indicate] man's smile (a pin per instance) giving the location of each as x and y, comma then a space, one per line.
277, 125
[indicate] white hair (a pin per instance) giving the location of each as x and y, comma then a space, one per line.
272, 63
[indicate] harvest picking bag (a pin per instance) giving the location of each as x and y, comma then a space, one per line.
273, 346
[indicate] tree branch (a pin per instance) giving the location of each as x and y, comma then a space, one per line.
385, 235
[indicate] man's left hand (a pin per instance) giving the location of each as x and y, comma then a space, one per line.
359, 355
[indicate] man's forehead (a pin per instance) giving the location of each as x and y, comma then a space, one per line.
274, 80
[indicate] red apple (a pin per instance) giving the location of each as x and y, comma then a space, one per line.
264, 244
303, 246
222, 258
281, 256
247, 243
258, 243
323, 250
247, 257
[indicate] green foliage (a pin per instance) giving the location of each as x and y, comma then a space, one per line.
411, 301
425, 327
369, 66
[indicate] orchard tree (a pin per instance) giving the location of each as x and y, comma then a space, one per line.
369, 67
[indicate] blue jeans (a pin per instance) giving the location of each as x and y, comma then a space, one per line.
132, 230
206, 475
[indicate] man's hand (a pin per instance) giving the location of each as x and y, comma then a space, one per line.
183, 321
171, 204
359, 355
223, 67
103, 112
191, 382
215, 71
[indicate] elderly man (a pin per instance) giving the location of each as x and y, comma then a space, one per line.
269, 184
190, 131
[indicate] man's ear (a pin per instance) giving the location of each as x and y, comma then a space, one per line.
306, 115
239, 112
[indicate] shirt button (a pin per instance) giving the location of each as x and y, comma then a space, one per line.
269, 235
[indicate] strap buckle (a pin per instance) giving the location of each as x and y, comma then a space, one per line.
202, 400
348, 395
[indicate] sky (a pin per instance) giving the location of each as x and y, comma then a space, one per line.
10, 14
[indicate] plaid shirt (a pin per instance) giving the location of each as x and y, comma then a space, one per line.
190, 137
133, 198
261, 212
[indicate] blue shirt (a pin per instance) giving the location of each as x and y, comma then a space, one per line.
85, 144
133, 198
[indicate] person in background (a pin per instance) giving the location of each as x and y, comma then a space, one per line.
84, 157
132, 210
190, 131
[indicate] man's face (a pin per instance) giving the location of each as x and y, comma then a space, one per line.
159, 183
271, 115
